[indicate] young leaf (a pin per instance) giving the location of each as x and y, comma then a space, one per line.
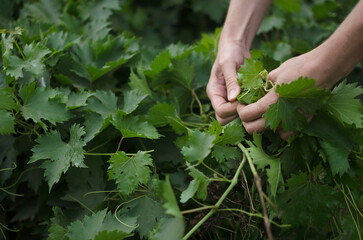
132, 99
305, 203
103, 102
198, 186
299, 94
171, 205
129, 172
133, 126
344, 106
6, 122
38, 105
138, 82
262, 160
33, 62
249, 74
98, 225
59, 155
200, 144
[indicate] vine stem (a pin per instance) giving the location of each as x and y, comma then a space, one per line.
221, 199
260, 192
199, 103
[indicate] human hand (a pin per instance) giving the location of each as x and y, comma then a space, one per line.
306, 65
223, 88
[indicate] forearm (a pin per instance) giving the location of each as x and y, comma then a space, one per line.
343, 50
243, 19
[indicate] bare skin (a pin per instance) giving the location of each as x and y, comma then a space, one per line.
328, 63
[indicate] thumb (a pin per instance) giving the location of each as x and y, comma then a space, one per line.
230, 76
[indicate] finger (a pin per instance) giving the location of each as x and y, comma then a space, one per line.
216, 91
285, 135
229, 71
255, 126
256, 110
224, 121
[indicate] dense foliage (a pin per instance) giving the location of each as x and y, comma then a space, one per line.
106, 131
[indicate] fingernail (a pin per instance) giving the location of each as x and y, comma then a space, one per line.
232, 95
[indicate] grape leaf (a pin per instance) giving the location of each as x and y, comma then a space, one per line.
33, 63
262, 160
60, 41
248, 74
271, 22
7, 99
233, 133
305, 203
56, 232
103, 102
96, 226
100, 10
97, 58
161, 62
344, 106
138, 82
200, 144
132, 99
133, 126
182, 72
60, 155
337, 157
171, 205
169, 228
46, 11
129, 172
148, 211
289, 5
6, 122
94, 124
298, 94
38, 105
78, 99
197, 187
224, 153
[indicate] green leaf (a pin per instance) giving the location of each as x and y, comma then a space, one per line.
132, 99
7, 99
78, 99
182, 72
337, 157
171, 205
148, 213
295, 96
100, 10
198, 186
161, 62
59, 155
39, 104
248, 74
305, 203
56, 232
103, 102
96, 226
33, 63
271, 22
262, 160
129, 172
233, 133
6, 122
46, 11
223, 153
97, 58
199, 147
60, 41
289, 5
133, 126
344, 106
138, 82
169, 228
94, 124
